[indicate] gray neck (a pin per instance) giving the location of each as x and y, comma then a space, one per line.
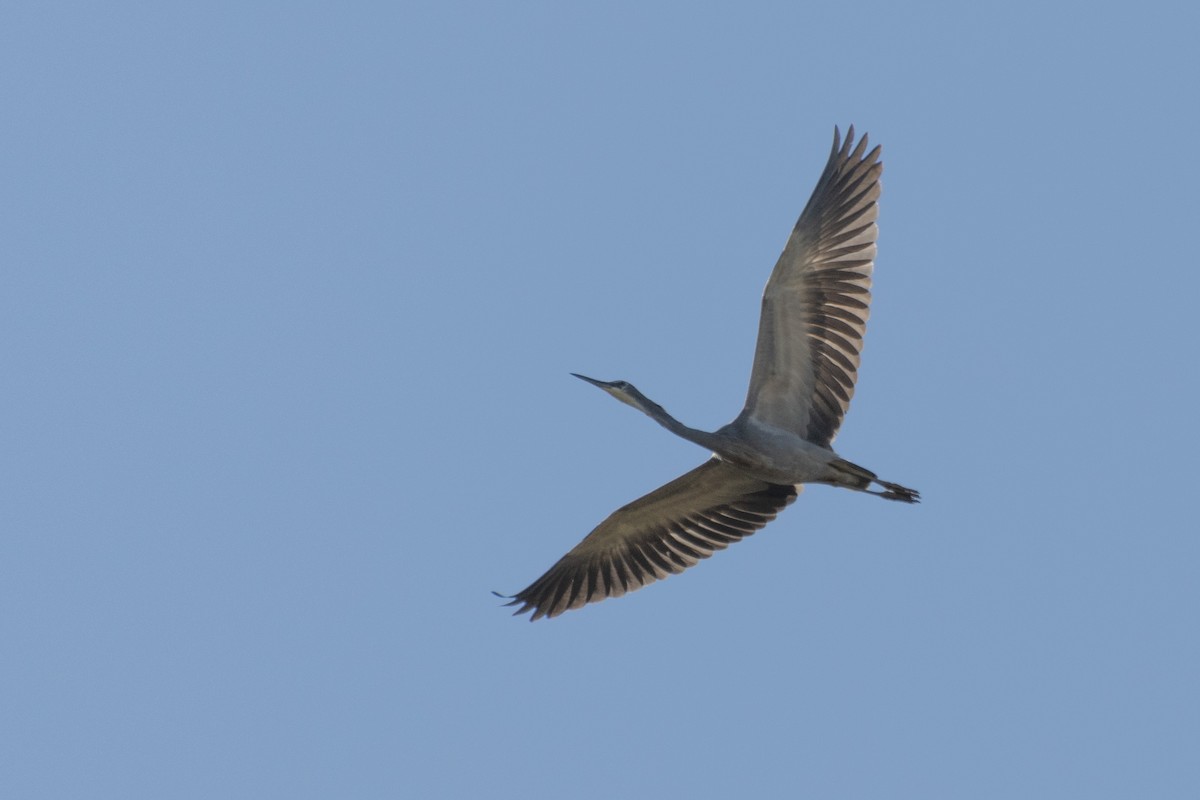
659, 415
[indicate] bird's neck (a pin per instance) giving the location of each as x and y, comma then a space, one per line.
702, 438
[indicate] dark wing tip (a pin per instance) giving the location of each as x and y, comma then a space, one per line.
847, 150
519, 600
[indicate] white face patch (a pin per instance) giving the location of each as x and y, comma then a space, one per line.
617, 393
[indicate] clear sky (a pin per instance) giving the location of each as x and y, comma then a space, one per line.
289, 295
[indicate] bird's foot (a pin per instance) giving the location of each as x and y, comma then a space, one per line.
897, 492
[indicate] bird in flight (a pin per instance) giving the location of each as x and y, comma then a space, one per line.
810, 334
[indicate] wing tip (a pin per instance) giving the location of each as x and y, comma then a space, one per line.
847, 149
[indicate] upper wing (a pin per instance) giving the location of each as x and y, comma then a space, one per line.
816, 303
664, 532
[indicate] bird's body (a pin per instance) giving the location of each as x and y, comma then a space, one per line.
773, 454
813, 317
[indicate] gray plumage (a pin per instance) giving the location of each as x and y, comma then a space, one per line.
814, 314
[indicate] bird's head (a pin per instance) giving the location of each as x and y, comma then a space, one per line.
624, 391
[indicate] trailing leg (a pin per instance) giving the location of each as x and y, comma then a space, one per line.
897, 492
852, 476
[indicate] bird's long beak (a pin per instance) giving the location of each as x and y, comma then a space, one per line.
618, 389
592, 381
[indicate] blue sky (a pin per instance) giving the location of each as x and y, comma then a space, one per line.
289, 299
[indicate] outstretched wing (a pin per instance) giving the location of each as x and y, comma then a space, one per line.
815, 306
660, 534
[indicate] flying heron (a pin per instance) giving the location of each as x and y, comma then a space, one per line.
814, 313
